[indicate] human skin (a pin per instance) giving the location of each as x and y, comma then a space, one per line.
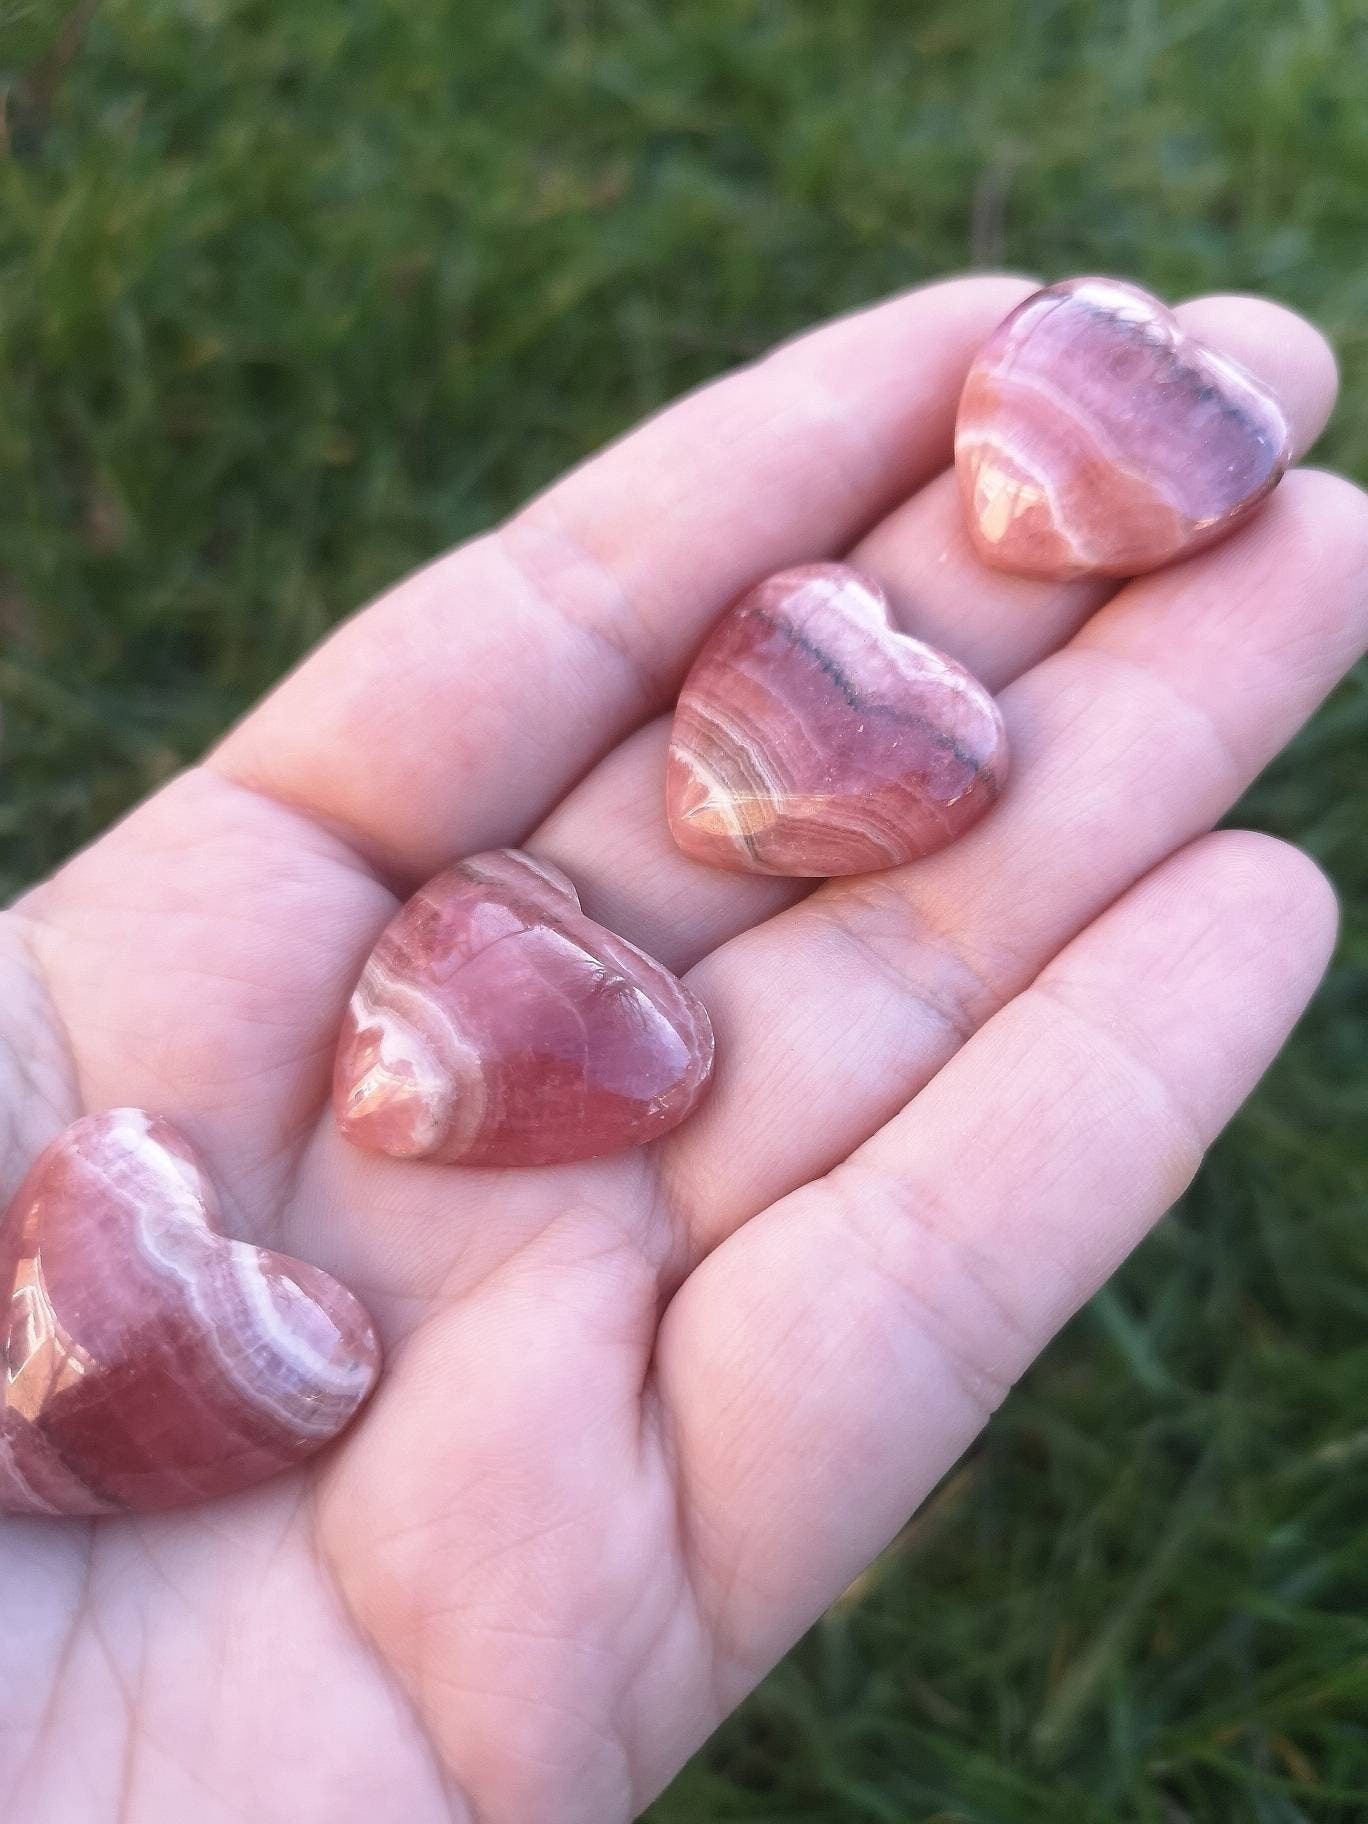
642, 1418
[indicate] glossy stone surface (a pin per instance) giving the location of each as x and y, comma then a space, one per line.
495, 1024
812, 738
1096, 438
149, 1361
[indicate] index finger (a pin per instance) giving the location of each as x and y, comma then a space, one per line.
453, 713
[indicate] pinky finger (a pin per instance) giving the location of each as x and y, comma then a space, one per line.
827, 1364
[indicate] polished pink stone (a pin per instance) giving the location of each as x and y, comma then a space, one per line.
812, 738
495, 1024
149, 1361
1096, 438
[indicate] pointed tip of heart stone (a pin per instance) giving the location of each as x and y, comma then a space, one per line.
813, 739
150, 1361
1095, 437
494, 1024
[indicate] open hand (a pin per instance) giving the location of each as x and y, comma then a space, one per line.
642, 1419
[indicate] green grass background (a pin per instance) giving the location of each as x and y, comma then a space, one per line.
294, 293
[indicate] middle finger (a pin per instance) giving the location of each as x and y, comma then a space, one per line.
1133, 739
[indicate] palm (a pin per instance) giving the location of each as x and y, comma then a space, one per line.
642, 1418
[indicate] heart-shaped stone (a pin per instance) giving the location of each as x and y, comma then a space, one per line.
495, 1024
1095, 437
812, 738
149, 1361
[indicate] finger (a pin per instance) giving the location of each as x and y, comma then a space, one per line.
611, 837
454, 713
998, 624
1137, 736
610, 834
826, 1365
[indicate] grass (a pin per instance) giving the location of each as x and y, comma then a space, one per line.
293, 294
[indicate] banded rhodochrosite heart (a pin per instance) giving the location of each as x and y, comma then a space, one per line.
812, 738
149, 1360
495, 1024
1096, 437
